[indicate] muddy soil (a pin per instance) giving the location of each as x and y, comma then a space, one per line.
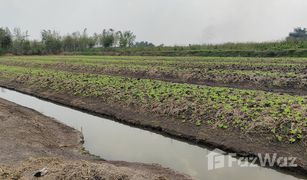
31, 141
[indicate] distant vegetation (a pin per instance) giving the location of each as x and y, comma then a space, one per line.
5, 40
17, 42
111, 42
299, 34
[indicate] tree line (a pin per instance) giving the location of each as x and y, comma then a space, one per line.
51, 42
299, 34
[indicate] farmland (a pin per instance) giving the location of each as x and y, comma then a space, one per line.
173, 95
268, 74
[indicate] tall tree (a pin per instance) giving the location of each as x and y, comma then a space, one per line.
107, 38
298, 34
51, 41
143, 44
126, 38
5, 39
68, 43
84, 40
21, 44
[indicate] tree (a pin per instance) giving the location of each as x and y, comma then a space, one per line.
92, 41
143, 44
76, 40
68, 43
51, 41
126, 39
36, 47
5, 39
299, 34
108, 38
84, 40
21, 44
79, 42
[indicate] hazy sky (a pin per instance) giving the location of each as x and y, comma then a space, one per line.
161, 21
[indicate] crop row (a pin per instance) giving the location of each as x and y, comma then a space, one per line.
288, 60
265, 79
281, 116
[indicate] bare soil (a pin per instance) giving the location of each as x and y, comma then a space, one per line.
31, 141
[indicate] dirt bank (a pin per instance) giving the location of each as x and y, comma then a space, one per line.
30, 141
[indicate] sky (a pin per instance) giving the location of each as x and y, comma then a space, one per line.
169, 22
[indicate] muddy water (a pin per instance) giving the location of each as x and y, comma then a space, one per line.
115, 141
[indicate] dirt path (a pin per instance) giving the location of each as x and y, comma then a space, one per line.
30, 141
